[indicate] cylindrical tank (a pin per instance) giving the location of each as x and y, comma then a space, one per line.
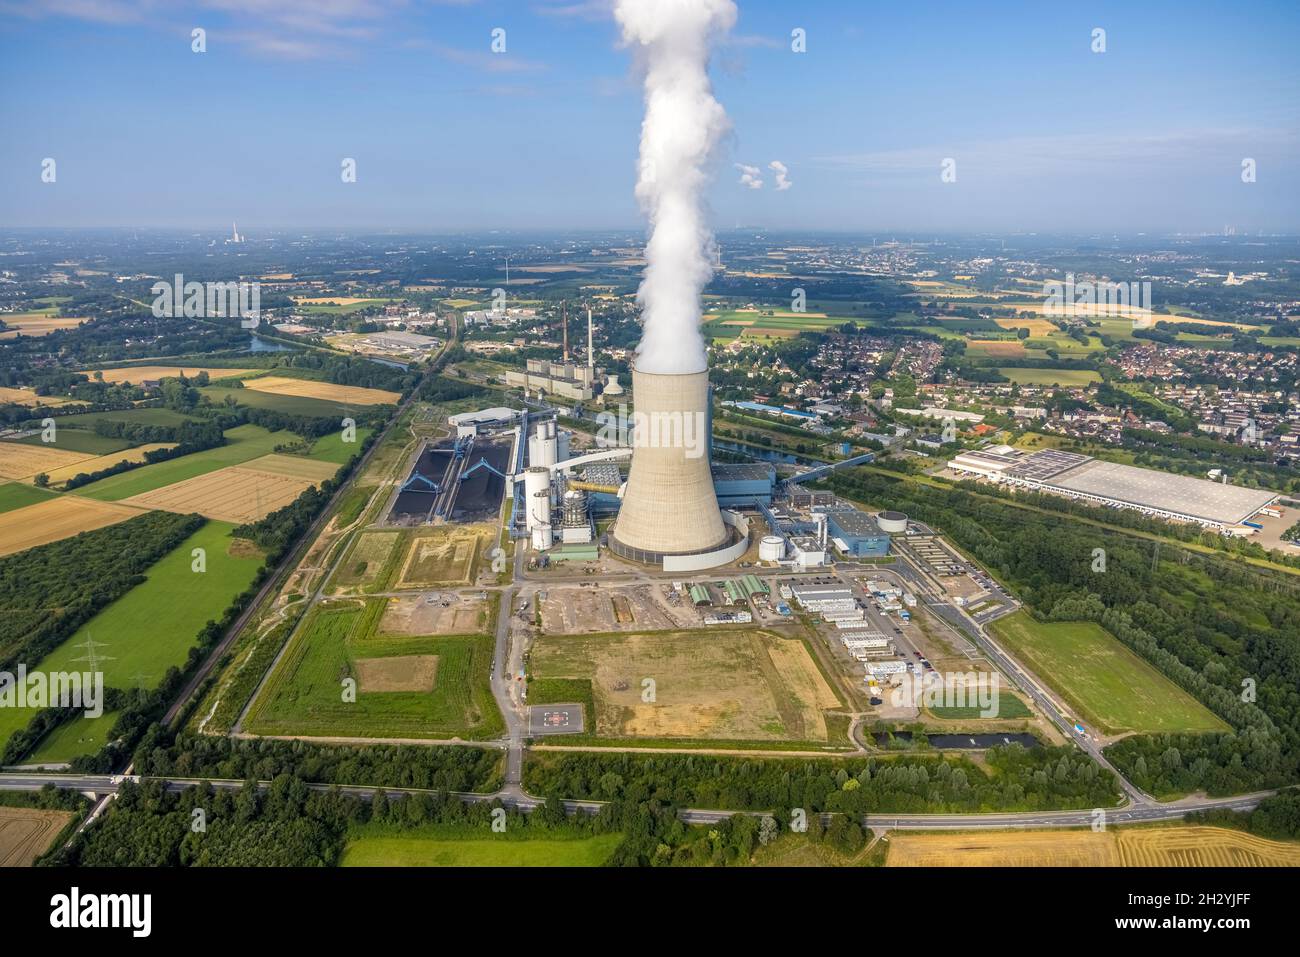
537, 485
771, 548
541, 508
894, 523
542, 538
669, 507
545, 446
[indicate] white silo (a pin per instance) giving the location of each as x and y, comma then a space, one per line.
771, 549
537, 489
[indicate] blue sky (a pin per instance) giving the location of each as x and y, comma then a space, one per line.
1046, 135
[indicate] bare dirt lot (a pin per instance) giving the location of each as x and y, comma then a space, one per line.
723, 684
401, 673
27, 833
579, 611
443, 556
418, 616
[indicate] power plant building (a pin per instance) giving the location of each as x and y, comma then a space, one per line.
857, 533
567, 379
743, 485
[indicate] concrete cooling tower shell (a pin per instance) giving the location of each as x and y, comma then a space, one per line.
669, 507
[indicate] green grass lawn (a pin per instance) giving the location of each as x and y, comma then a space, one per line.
244, 442
1062, 377
332, 448
1112, 688
73, 739
1008, 706
18, 494
80, 440
150, 628
417, 851
305, 693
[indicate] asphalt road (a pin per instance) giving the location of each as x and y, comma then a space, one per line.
105, 784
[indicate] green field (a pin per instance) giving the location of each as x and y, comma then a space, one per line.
417, 851
288, 404
305, 692
17, 495
1113, 689
1008, 706
1062, 377
344, 309
153, 626
87, 420
332, 448
80, 440
243, 443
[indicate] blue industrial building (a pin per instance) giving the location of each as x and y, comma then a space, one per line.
743, 485
856, 533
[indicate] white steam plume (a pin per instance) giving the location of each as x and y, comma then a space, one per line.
683, 123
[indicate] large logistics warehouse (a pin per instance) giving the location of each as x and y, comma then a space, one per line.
1180, 498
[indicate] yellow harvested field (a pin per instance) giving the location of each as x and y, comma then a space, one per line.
235, 494
99, 462
1141, 847
137, 374
29, 397
58, 518
1036, 327
36, 324
294, 466
305, 388
27, 832
18, 460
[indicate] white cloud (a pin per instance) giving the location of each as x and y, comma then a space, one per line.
750, 176
782, 175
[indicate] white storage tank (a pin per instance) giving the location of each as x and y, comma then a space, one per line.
542, 538
894, 523
537, 485
771, 549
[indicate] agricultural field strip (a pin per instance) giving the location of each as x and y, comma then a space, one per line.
19, 460
137, 374
100, 462
239, 493
328, 391
49, 521
1120, 847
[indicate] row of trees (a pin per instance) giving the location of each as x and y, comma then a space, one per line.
1025, 779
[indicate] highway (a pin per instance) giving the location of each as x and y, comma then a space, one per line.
103, 785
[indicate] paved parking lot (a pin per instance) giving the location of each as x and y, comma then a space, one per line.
546, 719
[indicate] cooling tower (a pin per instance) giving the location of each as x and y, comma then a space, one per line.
669, 507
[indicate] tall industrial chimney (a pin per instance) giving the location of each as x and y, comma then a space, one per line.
669, 506
591, 351
564, 323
